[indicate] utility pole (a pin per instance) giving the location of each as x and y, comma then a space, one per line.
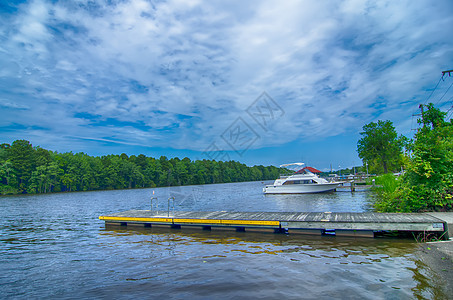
420, 114
445, 72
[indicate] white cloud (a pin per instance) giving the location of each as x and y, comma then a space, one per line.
10, 104
184, 71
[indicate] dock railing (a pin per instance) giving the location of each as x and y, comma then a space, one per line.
357, 179
154, 200
172, 201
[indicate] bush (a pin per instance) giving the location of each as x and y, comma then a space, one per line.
427, 184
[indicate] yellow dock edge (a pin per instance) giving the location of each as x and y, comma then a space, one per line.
133, 219
192, 221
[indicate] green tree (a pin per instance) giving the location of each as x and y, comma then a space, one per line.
28, 169
21, 155
42, 156
428, 181
380, 147
6, 170
432, 117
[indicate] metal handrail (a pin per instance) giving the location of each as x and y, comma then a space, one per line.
173, 205
157, 204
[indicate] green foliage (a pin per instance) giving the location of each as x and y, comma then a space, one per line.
21, 155
380, 147
386, 183
432, 117
28, 169
385, 188
427, 184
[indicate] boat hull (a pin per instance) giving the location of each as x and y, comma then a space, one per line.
300, 188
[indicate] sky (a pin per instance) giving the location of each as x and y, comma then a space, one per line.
260, 82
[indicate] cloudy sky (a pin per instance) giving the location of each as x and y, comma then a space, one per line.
261, 82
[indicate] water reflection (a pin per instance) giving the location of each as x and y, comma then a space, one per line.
382, 268
347, 246
333, 201
422, 274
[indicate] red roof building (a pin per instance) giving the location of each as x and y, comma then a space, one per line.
313, 170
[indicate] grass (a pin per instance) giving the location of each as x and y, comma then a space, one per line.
387, 183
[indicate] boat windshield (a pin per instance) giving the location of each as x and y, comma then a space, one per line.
307, 181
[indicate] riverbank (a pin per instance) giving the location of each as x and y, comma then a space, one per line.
438, 256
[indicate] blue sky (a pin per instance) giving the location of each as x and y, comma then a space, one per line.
261, 82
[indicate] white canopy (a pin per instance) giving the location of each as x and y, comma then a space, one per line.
299, 164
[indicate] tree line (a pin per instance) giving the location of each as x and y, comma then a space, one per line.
427, 160
28, 169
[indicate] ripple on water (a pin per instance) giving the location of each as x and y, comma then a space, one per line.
53, 246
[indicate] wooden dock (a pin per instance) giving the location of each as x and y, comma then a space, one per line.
340, 224
354, 185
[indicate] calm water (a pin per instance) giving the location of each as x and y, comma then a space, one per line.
54, 246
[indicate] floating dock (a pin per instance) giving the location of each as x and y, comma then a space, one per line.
366, 224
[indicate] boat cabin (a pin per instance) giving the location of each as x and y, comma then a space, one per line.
306, 181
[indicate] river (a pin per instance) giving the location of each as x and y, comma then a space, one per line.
54, 246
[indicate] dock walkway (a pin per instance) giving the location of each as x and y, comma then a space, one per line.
341, 224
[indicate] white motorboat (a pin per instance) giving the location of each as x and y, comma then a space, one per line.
303, 181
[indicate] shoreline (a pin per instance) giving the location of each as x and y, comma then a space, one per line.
438, 257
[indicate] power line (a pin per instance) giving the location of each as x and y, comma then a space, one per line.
451, 114
451, 99
432, 92
435, 87
416, 115
448, 111
444, 93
